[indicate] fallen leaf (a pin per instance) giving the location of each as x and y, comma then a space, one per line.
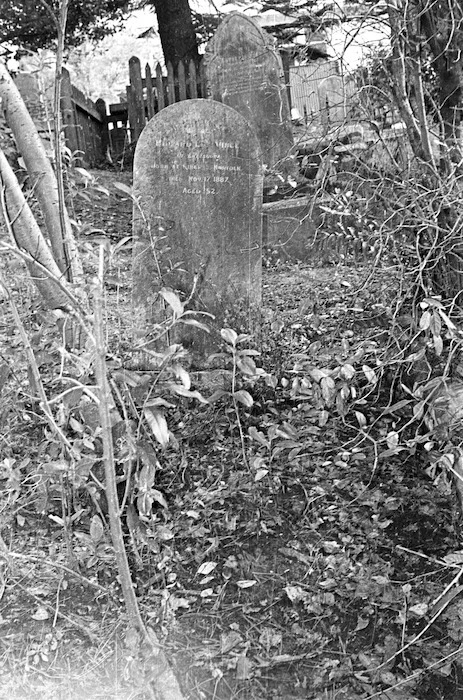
41, 614
206, 568
243, 668
246, 583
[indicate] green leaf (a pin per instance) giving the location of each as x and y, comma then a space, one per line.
159, 498
123, 188
244, 397
260, 474
397, 406
246, 583
158, 401
432, 301
415, 356
146, 477
435, 325
328, 388
347, 371
425, 321
271, 381
182, 391
218, 394
229, 335
258, 437
96, 529
246, 365
182, 374
173, 300
158, 424
195, 323
206, 568
249, 352
438, 344
370, 374
392, 439
144, 504
450, 325
319, 374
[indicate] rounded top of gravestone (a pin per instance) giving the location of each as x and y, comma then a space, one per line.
238, 34
198, 118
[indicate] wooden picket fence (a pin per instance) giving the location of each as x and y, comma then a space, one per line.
95, 131
149, 93
85, 124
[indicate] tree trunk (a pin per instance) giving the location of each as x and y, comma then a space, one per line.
160, 677
42, 176
399, 74
29, 239
176, 31
441, 23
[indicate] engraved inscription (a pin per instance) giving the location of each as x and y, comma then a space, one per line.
200, 173
235, 82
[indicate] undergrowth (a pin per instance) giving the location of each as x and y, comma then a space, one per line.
289, 520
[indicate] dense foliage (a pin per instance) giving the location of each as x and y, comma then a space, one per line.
30, 25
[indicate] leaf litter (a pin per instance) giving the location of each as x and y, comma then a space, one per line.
316, 570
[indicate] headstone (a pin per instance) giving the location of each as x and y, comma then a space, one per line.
245, 72
197, 221
331, 97
289, 228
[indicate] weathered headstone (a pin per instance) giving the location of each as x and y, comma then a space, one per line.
197, 221
331, 96
245, 72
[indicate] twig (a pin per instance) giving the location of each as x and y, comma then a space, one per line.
94, 638
167, 686
414, 675
415, 639
36, 374
55, 564
432, 560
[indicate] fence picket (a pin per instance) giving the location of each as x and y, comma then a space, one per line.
192, 80
148, 95
132, 112
170, 84
202, 80
181, 82
160, 88
149, 91
136, 85
68, 111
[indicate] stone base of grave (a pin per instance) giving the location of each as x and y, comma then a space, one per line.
288, 227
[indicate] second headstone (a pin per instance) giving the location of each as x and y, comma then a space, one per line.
245, 72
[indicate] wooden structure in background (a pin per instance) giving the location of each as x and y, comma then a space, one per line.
149, 94
85, 124
95, 132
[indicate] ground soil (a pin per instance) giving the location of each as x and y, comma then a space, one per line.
313, 564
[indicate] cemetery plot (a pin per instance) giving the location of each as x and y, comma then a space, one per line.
197, 219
